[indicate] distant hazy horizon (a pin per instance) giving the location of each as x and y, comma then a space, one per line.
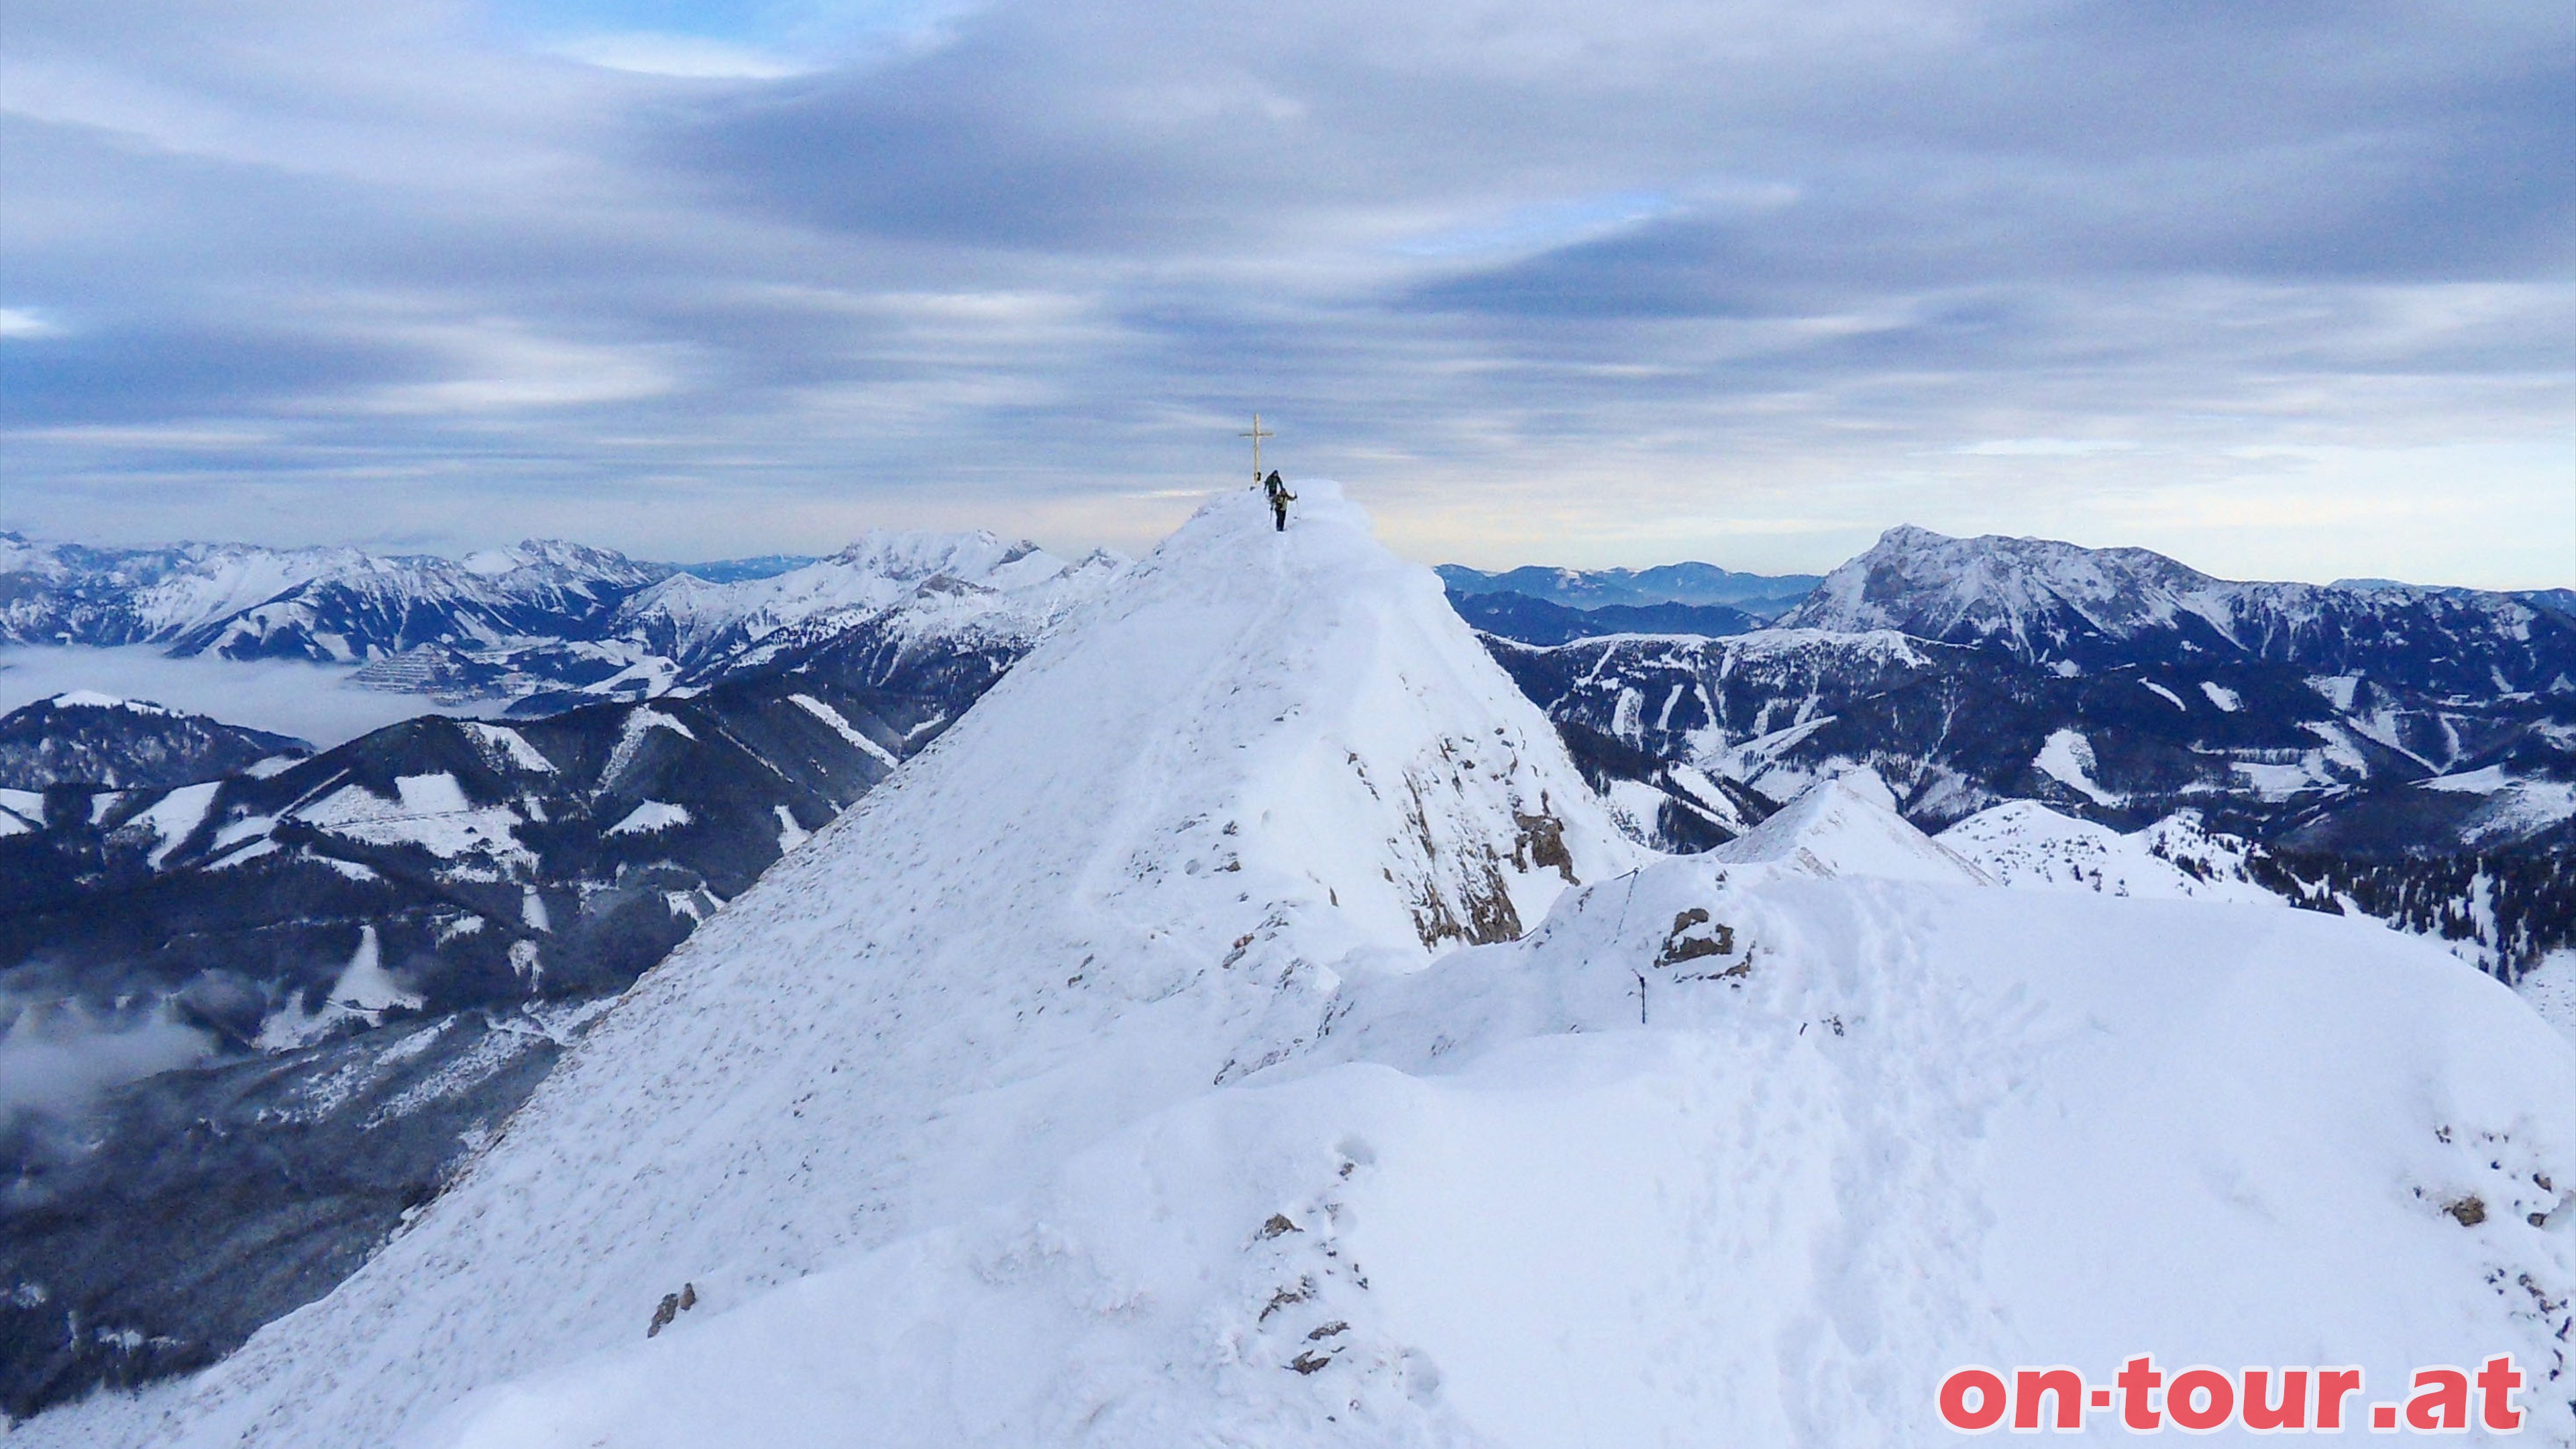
1752, 560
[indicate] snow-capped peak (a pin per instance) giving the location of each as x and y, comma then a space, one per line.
2022, 590
92, 699
1847, 826
563, 555
2054, 602
1016, 589
1142, 863
921, 553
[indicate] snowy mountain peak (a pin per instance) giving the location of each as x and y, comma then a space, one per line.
911, 554
92, 699
1848, 826
1938, 587
1141, 864
1909, 536
1012, 590
562, 555
2089, 609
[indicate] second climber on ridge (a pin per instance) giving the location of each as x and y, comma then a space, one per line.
1279, 496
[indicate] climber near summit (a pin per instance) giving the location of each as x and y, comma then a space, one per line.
1271, 488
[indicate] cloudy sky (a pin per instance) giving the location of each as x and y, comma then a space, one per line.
2284, 289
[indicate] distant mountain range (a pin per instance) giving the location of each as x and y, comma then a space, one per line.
1538, 621
241, 601
1761, 596
2120, 685
545, 625
736, 570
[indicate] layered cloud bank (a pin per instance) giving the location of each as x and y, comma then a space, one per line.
2190, 279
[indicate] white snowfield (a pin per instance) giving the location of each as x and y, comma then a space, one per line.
2024, 843
1843, 826
1109, 1078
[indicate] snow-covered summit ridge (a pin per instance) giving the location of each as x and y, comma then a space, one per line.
1142, 864
1722, 1152
1848, 826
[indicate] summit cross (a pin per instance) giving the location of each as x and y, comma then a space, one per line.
1256, 435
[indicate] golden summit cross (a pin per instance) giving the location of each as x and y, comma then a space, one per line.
1256, 435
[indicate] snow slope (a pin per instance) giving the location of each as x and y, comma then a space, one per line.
1723, 1154
1141, 864
2550, 987
2024, 843
1843, 826
2513, 809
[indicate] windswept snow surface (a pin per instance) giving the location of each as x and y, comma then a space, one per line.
1723, 1154
1096, 1081
1140, 866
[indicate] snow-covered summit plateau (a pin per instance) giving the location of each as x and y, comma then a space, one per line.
1160, 1059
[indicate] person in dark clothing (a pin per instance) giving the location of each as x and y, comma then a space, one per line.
1279, 496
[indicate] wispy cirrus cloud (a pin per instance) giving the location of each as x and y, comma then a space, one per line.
26, 323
